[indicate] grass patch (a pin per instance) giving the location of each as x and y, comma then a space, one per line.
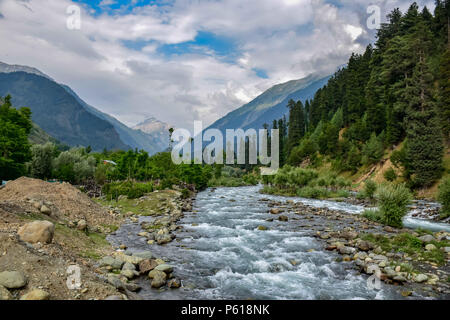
373, 215
154, 203
409, 244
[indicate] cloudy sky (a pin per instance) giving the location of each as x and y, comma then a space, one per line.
183, 60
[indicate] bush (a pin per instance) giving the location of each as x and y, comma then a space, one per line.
392, 202
444, 197
185, 193
132, 190
370, 188
312, 193
373, 215
74, 166
390, 175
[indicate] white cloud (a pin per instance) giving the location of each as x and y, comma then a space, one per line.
287, 39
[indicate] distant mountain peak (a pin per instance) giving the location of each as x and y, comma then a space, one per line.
10, 68
152, 125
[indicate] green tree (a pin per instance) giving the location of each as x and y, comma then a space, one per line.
425, 141
444, 92
41, 161
15, 126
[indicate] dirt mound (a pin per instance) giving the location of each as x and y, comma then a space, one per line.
45, 267
66, 204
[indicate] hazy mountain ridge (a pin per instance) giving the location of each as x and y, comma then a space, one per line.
271, 104
119, 135
75, 126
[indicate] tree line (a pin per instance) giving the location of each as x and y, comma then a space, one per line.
394, 96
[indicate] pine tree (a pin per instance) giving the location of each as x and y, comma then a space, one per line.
425, 144
444, 93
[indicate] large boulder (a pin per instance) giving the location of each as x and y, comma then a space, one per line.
37, 231
12, 279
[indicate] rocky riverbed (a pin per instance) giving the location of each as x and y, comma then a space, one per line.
238, 244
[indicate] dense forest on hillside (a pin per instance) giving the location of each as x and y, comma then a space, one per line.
394, 96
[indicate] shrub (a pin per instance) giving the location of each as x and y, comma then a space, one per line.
369, 189
312, 193
373, 215
444, 197
392, 202
185, 193
390, 175
130, 189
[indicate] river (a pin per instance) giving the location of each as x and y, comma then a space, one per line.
221, 254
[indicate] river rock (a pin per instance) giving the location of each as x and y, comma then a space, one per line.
262, 228
129, 274
144, 254
420, 278
427, 238
174, 284
430, 247
46, 210
275, 211
37, 231
364, 246
379, 257
115, 281
111, 262
446, 249
147, 266
12, 279
36, 294
158, 282
126, 258
5, 294
163, 238
399, 278
347, 250
164, 268
283, 218
158, 278
128, 266
361, 255
349, 235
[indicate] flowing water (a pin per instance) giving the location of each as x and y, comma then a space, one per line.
221, 254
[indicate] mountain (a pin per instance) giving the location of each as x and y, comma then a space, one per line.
155, 128
10, 68
271, 104
152, 142
90, 126
58, 113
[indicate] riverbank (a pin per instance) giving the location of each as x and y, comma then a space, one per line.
48, 230
416, 260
